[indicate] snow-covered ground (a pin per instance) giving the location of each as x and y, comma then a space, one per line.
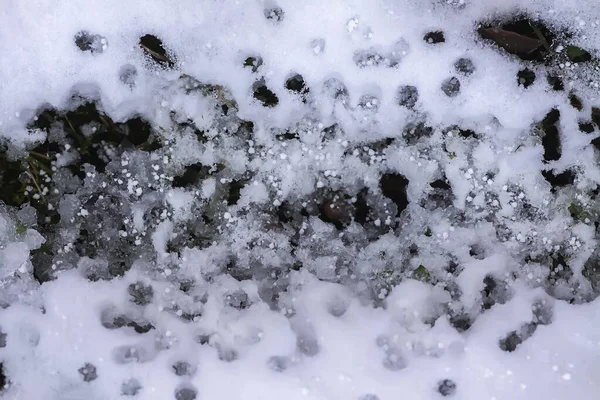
319, 199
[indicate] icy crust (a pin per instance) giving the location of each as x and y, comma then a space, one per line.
322, 200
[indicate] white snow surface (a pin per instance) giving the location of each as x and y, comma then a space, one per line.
53, 329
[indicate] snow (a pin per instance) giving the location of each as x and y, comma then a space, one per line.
255, 220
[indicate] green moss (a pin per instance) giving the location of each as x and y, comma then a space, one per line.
577, 211
577, 54
421, 274
20, 228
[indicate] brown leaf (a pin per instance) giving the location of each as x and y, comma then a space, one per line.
154, 48
512, 42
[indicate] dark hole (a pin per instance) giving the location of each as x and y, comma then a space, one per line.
441, 184
287, 135
575, 102
551, 138
284, 215
563, 179
138, 131
296, 84
361, 207
551, 118
192, 175
264, 95
434, 37
525, 77
555, 82
235, 188
393, 186
586, 127
45, 119
551, 143
253, 62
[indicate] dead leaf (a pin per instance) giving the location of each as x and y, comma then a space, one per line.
153, 46
577, 54
512, 42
